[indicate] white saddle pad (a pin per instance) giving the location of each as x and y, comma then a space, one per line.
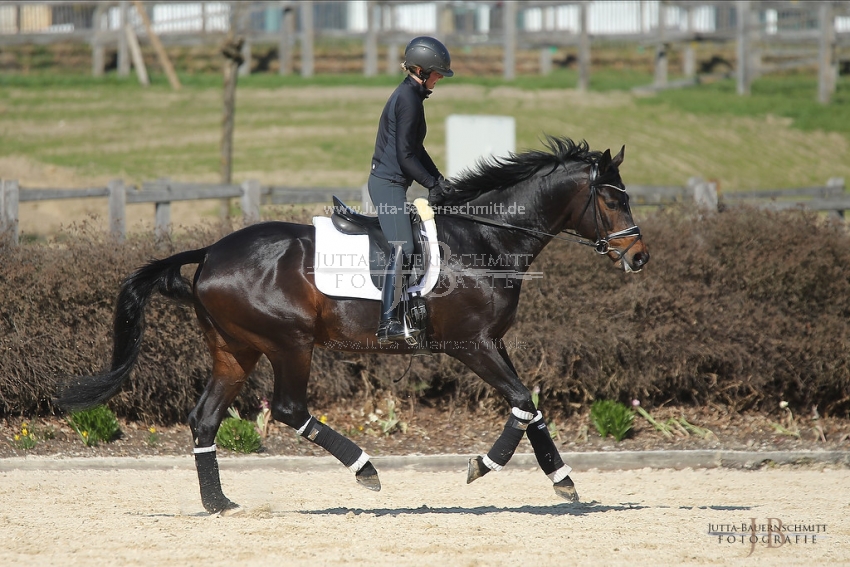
341, 265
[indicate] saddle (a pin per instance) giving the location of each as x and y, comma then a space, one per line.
348, 221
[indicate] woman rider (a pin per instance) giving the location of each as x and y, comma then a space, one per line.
399, 159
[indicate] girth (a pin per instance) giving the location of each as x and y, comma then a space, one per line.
348, 221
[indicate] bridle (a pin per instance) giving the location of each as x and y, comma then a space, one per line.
601, 244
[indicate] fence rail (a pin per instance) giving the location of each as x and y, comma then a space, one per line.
827, 198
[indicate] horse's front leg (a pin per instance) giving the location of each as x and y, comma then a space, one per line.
549, 459
545, 450
495, 368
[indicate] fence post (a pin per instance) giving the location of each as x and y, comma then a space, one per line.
307, 33
163, 219
286, 41
117, 209
583, 50
704, 192
509, 39
370, 62
661, 47
9, 211
123, 45
827, 71
838, 184
250, 201
744, 71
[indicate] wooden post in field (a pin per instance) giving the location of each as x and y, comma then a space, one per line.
827, 70
662, 47
157, 46
251, 201
583, 50
98, 60
307, 34
370, 63
233, 58
123, 45
136, 54
838, 184
232, 52
162, 215
509, 46
689, 58
704, 192
9, 196
287, 39
117, 209
744, 71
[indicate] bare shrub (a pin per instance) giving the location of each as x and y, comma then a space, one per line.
743, 308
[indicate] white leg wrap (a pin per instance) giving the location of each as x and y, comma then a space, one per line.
303, 428
210, 449
358, 464
523, 415
490, 464
560, 474
537, 417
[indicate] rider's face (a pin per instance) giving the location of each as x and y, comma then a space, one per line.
432, 80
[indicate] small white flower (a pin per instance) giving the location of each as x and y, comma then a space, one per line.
783, 405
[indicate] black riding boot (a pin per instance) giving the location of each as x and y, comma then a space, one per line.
391, 328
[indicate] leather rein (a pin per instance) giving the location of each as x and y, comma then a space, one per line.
601, 244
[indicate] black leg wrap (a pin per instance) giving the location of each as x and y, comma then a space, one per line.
544, 448
212, 497
504, 447
340, 447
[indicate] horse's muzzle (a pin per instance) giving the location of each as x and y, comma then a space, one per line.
634, 260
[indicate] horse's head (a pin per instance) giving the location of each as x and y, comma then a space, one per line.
607, 217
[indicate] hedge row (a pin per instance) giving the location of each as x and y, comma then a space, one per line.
743, 308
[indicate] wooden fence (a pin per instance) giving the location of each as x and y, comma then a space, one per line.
768, 35
829, 198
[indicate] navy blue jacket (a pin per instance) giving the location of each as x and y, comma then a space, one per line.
399, 155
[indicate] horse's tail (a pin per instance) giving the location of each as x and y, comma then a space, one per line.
160, 275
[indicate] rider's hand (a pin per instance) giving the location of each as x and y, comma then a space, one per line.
438, 193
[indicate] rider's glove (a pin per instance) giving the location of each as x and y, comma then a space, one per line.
438, 193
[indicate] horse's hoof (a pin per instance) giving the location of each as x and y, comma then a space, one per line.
566, 489
221, 506
476, 469
368, 477
234, 510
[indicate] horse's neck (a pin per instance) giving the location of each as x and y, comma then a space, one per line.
541, 205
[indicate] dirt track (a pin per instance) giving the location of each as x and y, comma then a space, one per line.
153, 516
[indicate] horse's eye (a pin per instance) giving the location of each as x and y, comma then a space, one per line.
613, 205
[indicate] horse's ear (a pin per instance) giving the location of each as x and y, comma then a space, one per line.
604, 161
618, 159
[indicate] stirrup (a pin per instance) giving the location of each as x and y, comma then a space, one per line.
401, 332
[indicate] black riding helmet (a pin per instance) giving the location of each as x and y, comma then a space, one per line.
428, 54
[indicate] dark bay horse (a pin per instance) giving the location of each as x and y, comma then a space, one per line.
254, 294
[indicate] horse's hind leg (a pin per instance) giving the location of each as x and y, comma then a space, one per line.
230, 368
289, 406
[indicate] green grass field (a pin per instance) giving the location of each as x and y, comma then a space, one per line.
320, 131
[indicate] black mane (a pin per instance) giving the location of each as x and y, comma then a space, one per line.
497, 174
